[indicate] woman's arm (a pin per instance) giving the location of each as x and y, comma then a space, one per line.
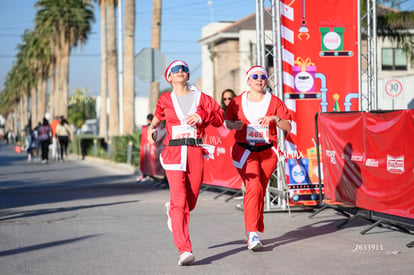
152, 130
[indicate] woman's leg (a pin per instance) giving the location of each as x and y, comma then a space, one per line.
184, 190
62, 144
256, 174
179, 210
195, 168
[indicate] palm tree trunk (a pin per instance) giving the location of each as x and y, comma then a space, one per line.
35, 115
113, 73
103, 123
129, 86
63, 99
52, 94
58, 81
41, 99
24, 113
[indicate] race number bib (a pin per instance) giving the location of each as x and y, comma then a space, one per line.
257, 133
184, 131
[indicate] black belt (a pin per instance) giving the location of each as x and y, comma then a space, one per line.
252, 148
185, 141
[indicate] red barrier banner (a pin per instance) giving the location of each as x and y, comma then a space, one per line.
220, 171
320, 74
367, 160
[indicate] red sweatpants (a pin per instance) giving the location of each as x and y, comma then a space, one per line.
256, 173
184, 190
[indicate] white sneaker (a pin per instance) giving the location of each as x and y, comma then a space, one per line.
167, 211
186, 258
254, 241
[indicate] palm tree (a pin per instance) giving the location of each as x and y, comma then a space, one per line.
129, 86
103, 122
70, 22
112, 70
395, 26
37, 56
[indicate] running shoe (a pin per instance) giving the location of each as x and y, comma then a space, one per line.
254, 242
186, 258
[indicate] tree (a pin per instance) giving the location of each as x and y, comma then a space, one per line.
70, 22
394, 25
81, 107
112, 70
103, 122
129, 84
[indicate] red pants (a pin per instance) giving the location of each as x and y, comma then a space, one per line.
184, 190
256, 173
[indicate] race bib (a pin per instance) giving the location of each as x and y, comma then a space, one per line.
257, 133
184, 131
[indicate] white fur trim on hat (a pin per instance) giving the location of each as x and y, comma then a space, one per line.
175, 63
256, 69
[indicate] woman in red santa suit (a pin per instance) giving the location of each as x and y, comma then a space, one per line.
255, 114
187, 112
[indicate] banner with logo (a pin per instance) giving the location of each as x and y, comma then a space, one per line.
320, 74
220, 171
367, 160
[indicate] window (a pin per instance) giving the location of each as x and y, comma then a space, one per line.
394, 59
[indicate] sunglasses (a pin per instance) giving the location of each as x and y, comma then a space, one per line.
256, 76
227, 98
177, 68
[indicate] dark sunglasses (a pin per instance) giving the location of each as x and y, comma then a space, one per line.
177, 68
256, 76
227, 98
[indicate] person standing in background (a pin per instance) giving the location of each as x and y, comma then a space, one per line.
55, 142
187, 113
45, 138
226, 96
255, 115
146, 154
63, 135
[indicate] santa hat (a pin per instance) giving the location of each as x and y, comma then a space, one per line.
256, 69
175, 63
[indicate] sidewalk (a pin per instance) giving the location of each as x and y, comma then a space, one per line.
83, 217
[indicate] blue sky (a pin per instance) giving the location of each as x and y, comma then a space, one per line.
181, 29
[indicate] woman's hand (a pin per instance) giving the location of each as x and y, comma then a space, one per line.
267, 119
234, 125
192, 119
152, 135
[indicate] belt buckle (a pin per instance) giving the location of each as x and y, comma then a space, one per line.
196, 142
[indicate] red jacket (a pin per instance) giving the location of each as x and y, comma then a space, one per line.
237, 110
175, 157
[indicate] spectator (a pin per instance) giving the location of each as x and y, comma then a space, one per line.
45, 138
55, 142
63, 134
226, 96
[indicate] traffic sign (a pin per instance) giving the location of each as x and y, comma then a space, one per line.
150, 64
393, 87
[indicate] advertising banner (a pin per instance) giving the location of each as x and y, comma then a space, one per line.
220, 171
367, 160
320, 74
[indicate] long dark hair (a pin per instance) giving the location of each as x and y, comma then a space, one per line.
233, 94
45, 122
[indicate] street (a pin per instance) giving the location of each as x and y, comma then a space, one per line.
89, 217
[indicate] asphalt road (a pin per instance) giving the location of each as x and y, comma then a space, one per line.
89, 217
